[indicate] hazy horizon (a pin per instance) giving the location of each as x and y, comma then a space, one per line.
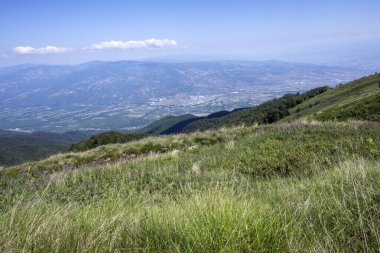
71, 32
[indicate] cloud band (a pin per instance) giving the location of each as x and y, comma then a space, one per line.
132, 44
112, 44
23, 50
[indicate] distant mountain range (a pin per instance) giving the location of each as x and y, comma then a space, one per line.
129, 94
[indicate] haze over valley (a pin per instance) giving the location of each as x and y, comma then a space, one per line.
130, 94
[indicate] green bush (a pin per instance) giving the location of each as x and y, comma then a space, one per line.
104, 139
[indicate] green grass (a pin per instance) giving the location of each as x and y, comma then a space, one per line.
298, 187
358, 100
104, 139
257, 149
363, 109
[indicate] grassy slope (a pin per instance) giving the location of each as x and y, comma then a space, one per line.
231, 190
359, 99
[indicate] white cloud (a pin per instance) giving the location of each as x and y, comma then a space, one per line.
117, 44
42, 50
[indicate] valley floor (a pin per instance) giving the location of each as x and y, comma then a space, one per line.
293, 187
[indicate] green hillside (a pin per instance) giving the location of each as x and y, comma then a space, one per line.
161, 125
359, 99
282, 187
18, 147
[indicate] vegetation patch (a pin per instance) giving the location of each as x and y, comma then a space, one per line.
104, 139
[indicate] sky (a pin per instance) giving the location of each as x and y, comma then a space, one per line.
73, 31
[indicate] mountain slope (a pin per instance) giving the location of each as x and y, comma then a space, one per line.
176, 124
161, 125
359, 99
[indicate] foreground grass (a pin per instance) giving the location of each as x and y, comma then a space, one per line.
294, 187
337, 210
281, 148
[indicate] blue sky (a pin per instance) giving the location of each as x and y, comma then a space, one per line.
78, 31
